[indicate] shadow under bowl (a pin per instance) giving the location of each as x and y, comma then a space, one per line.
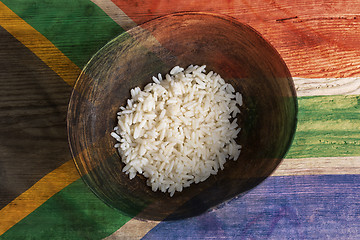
235, 51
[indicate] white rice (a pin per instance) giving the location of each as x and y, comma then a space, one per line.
177, 131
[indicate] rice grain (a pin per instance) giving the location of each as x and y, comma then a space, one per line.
180, 129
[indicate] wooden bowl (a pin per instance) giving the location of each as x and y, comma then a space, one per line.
235, 51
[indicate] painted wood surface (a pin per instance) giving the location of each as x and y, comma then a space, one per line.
304, 207
313, 194
317, 39
33, 103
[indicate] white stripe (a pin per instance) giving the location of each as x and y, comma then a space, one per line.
115, 13
318, 166
133, 229
327, 86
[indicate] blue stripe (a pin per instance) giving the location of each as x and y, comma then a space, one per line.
291, 207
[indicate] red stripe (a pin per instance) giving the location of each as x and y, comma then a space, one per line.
314, 38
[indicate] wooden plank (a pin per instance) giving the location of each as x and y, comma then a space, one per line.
36, 195
115, 14
291, 19
288, 207
327, 126
74, 213
317, 39
33, 106
77, 28
133, 229
33, 97
327, 86
318, 166
39, 45
137, 229
304, 86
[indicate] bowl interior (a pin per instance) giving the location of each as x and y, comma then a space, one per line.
235, 51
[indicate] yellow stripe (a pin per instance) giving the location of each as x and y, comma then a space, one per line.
39, 45
66, 174
35, 196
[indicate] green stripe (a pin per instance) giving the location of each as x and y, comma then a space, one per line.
73, 213
78, 28
328, 126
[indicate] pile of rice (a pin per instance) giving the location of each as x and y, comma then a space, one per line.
179, 130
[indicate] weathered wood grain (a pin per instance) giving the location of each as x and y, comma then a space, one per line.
39, 45
318, 166
33, 97
33, 106
328, 126
317, 39
304, 86
115, 14
289, 207
133, 229
77, 28
327, 86
74, 213
137, 229
37, 194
